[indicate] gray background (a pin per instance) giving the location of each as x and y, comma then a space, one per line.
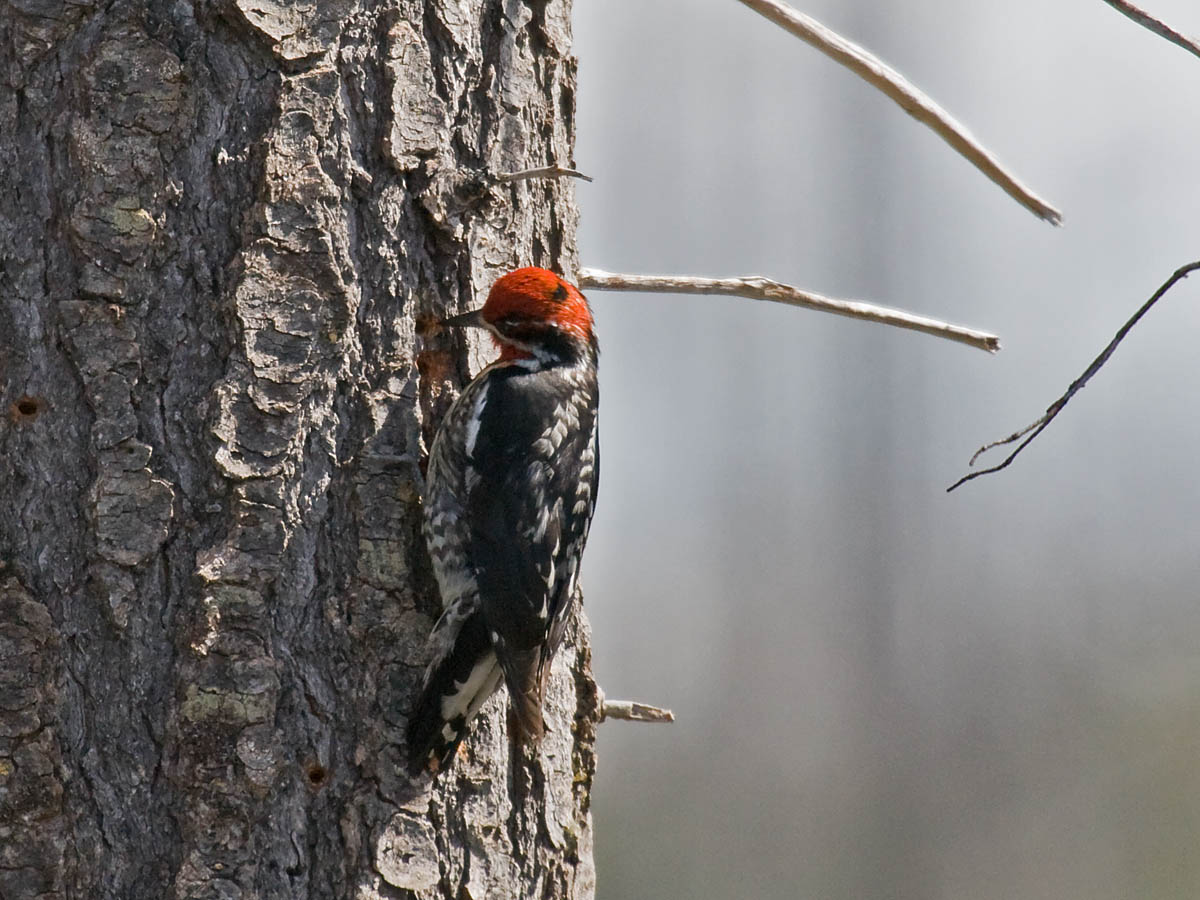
883, 690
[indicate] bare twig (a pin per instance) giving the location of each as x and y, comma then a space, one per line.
1159, 27
758, 288
922, 108
630, 711
543, 172
1077, 385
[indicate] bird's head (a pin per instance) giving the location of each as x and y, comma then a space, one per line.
533, 314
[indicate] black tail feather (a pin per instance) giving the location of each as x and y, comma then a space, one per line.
454, 690
524, 674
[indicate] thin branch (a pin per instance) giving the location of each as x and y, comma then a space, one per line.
630, 711
543, 172
921, 107
1038, 426
1159, 27
756, 287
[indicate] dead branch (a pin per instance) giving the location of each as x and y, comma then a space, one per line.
542, 172
1162, 29
632, 711
756, 287
918, 105
1038, 426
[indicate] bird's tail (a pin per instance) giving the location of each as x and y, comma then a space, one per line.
525, 675
455, 687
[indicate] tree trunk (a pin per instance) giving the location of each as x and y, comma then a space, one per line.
226, 228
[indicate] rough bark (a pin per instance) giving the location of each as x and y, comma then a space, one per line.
224, 228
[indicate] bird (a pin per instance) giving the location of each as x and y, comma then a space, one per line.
510, 490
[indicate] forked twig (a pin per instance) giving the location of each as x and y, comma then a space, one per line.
911, 99
1038, 426
758, 288
1159, 27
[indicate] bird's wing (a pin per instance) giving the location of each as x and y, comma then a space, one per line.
528, 518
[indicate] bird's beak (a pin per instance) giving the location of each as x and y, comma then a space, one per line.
472, 319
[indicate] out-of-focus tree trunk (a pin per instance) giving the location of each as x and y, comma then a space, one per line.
223, 229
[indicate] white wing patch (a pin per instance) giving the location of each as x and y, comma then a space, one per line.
476, 418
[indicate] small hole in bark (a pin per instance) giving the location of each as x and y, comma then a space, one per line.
427, 324
317, 775
26, 408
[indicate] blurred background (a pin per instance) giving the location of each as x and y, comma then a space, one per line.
885, 691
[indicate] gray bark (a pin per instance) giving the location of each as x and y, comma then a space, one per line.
224, 230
